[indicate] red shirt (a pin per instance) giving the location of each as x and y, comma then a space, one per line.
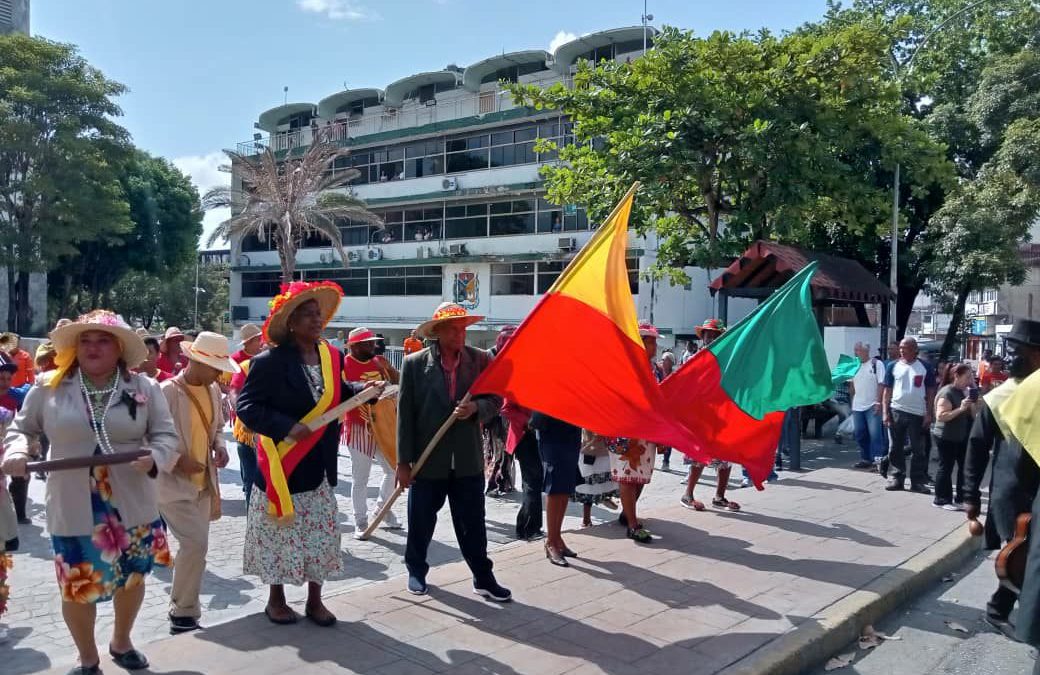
240, 356
991, 379
170, 366
26, 373
355, 370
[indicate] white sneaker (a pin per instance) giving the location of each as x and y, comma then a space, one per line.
359, 531
952, 507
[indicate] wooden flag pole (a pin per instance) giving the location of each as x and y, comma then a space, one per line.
342, 409
86, 462
415, 468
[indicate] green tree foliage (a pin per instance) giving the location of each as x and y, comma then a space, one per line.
167, 223
739, 137
157, 302
939, 61
984, 220
60, 154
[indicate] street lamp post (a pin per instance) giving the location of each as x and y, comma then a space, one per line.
196, 291
647, 18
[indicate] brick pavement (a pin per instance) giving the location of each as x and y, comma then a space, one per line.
788, 553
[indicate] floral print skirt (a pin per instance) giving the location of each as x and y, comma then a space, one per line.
91, 568
631, 460
308, 549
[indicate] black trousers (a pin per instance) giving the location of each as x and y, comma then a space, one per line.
19, 488
951, 463
1001, 603
529, 518
466, 498
907, 426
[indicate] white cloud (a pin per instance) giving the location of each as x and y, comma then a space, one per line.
562, 38
205, 173
337, 10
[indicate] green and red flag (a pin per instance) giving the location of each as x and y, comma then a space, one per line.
732, 396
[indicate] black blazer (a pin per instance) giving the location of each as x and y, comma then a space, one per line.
276, 396
423, 405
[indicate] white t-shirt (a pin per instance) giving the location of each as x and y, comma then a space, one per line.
909, 383
871, 373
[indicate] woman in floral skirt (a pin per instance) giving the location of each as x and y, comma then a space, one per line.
103, 520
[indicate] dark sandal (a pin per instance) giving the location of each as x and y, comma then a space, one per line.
330, 620
281, 621
640, 536
723, 503
86, 670
555, 557
129, 660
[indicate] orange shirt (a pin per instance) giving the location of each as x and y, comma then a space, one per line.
412, 345
26, 373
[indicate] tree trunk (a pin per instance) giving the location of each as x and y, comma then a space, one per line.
904, 307
23, 323
12, 297
955, 324
287, 250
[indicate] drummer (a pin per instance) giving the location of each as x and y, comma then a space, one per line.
363, 365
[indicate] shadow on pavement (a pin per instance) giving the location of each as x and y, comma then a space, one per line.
833, 531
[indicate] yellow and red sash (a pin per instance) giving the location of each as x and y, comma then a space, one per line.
277, 461
239, 430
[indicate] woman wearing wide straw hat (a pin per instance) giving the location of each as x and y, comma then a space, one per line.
292, 528
103, 520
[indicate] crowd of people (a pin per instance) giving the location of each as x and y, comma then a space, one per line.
133, 425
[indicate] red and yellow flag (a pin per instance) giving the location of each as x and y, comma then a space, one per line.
606, 384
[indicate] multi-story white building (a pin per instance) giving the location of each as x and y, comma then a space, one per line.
448, 160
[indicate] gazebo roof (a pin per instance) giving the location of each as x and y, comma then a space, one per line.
766, 265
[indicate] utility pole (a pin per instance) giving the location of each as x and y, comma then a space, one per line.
647, 18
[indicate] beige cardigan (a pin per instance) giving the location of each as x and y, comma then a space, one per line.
174, 486
61, 414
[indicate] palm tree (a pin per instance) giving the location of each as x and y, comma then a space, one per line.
289, 200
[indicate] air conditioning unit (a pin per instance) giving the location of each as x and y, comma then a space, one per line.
450, 183
567, 243
239, 313
443, 250
432, 102
325, 258
457, 249
374, 254
354, 256
242, 260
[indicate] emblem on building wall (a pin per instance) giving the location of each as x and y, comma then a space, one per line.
467, 289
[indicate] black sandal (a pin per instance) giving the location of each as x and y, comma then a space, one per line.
330, 620
129, 660
568, 553
87, 670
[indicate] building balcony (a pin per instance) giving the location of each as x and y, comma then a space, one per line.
455, 109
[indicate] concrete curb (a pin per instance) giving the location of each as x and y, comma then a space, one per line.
830, 630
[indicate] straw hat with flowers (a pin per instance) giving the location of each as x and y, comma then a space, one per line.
326, 293
66, 338
447, 311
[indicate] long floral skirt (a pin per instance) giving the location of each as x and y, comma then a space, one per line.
306, 550
91, 568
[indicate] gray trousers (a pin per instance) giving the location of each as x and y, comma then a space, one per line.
907, 426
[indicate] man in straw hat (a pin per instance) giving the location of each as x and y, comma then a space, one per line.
252, 343
363, 365
433, 383
171, 357
189, 497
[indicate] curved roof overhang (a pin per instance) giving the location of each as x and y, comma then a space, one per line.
328, 106
473, 74
396, 91
566, 54
269, 120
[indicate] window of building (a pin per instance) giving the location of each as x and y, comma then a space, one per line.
260, 284
424, 158
633, 274
392, 230
467, 153
424, 280
423, 224
252, 243
512, 279
512, 217
548, 273
357, 235
461, 222
354, 282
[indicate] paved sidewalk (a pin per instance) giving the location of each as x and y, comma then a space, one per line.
715, 591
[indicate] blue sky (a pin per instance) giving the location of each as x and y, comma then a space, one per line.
199, 73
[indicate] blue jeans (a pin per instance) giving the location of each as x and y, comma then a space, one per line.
247, 469
869, 434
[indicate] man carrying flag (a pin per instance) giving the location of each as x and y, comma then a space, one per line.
434, 383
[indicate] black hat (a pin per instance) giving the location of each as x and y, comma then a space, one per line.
1025, 332
7, 364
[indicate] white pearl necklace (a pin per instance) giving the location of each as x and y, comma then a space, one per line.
100, 432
